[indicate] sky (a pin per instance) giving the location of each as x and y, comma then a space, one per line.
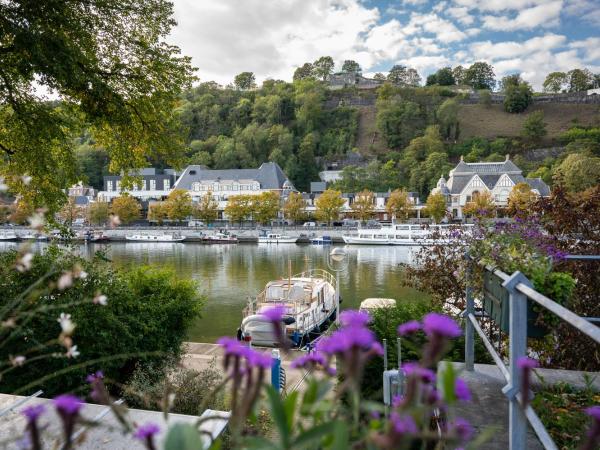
273, 37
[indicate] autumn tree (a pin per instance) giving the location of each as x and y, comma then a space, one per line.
70, 211
179, 205
294, 208
126, 208
98, 213
481, 205
158, 212
399, 205
266, 207
109, 63
21, 212
435, 207
363, 207
329, 205
239, 208
521, 199
207, 209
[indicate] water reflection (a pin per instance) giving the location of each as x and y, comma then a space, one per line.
228, 274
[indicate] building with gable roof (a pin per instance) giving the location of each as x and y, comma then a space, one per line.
497, 178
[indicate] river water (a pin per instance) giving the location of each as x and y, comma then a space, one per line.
228, 274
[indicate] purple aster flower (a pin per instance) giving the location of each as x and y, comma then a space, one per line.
414, 369
94, 377
462, 428
462, 390
526, 363
274, 313
33, 412
67, 404
409, 327
593, 435
440, 325
231, 346
403, 424
397, 401
146, 431
352, 318
594, 412
256, 359
309, 360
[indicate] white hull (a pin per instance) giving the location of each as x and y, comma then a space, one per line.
407, 234
154, 238
10, 236
408, 242
276, 239
220, 238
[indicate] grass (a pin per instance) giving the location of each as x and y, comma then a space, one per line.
560, 408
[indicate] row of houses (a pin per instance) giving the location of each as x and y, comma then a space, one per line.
464, 182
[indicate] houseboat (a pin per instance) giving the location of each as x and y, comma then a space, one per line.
220, 238
146, 237
310, 306
322, 240
407, 234
275, 238
8, 236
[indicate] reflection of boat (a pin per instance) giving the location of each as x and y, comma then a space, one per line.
310, 305
145, 237
8, 236
275, 238
220, 238
323, 240
407, 234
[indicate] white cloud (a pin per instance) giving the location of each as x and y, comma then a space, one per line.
590, 49
461, 14
444, 30
510, 49
587, 10
500, 5
545, 15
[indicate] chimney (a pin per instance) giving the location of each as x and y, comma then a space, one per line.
507, 156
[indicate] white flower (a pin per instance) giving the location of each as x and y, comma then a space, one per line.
37, 221
18, 361
66, 323
100, 299
65, 281
114, 220
26, 179
82, 275
24, 262
72, 352
3, 185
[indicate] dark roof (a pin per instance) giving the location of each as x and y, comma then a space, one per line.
539, 185
482, 168
318, 186
269, 175
82, 200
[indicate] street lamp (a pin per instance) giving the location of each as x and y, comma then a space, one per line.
337, 255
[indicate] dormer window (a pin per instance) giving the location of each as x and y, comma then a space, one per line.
192, 172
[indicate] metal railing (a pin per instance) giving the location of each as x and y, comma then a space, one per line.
520, 290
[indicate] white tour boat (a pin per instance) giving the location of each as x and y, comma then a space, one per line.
30, 236
8, 236
220, 238
310, 306
146, 237
275, 238
407, 234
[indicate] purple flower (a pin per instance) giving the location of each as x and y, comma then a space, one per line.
346, 338
231, 346
33, 412
146, 431
462, 390
94, 377
234, 348
274, 313
526, 363
462, 428
594, 412
353, 318
440, 325
409, 327
415, 369
67, 404
256, 359
403, 424
309, 360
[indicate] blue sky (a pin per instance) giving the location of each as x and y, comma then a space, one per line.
272, 37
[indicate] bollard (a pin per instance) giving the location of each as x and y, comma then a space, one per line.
276, 369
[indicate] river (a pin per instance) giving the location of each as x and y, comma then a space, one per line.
228, 274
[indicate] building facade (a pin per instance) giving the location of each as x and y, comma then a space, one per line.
498, 178
155, 184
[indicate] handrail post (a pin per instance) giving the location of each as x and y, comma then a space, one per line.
517, 422
469, 329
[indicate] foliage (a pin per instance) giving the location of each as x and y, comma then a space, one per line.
436, 206
266, 207
485, 97
517, 97
294, 208
399, 121
71, 211
126, 208
399, 205
239, 207
579, 172
404, 76
443, 77
579, 80
207, 208
447, 115
116, 75
303, 72
92, 162
98, 213
534, 128
350, 66
555, 82
245, 81
141, 305
480, 75
158, 212
329, 205
322, 68
481, 205
363, 207
521, 199
179, 205
580, 134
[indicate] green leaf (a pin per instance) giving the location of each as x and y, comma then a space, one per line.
448, 380
259, 443
340, 436
312, 437
183, 436
289, 406
278, 411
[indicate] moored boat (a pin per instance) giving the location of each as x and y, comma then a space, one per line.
323, 240
220, 238
146, 237
30, 236
276, 238
309, 299
8, 236
407, 234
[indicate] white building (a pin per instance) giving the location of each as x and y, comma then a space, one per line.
497, 178
154, 184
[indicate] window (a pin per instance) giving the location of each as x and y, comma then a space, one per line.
152, 185
118, 184
109, 185
236, 187
195, 187
167, 184
143, 185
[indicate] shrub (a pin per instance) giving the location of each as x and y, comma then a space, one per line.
518, 97
144, 321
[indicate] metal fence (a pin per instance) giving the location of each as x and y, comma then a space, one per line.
520, 291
